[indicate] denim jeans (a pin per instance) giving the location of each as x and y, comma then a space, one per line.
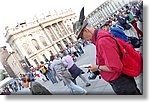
75, 89
125, 85
51, 77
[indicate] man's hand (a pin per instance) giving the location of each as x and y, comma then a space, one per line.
93, 67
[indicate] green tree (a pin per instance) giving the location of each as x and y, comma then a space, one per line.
3, 74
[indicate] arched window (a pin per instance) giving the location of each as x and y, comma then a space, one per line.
59, 45
36, 62
45, 58
35, 43
64, 40
27, 48
30, 35
42, 39
70, 39
51, 53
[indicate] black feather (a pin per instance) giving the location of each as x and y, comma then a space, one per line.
81, 17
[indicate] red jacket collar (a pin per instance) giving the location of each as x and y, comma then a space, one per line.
101, 33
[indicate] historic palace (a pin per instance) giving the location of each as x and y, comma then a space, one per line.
43, 37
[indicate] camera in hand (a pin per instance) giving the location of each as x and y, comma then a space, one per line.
93, 75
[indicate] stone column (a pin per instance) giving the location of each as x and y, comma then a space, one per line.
108, 8
112, 6
53, 50
47, 54
48, 34
60, 30
124, 2
68, 40
65, 28
115, 4
63, 45
57, 48
94, 18
73, 38
104, 13
99, 14
54, 33
119, 5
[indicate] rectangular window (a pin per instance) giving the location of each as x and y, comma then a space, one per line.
36, 62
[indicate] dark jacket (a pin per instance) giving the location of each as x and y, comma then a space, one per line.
38, 89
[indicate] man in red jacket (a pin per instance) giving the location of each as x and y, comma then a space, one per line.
108, 61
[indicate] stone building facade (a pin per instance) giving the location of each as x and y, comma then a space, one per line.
38, 40
105, 10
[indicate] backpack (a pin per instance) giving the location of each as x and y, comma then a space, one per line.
121, 20
44, 69
123, 23
135, 42
131, 59
127, 26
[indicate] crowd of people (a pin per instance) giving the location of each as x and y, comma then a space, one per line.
112, 48
13, 86
62, 67
123, 24
51, 70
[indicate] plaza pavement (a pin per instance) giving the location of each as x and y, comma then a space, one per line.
98, 86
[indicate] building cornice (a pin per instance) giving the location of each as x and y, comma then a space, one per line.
36, 24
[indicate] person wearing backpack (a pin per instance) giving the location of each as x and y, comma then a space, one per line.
122, 21
133, 20
62, 71
74, 70
118, 32
109, 61
44, 70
